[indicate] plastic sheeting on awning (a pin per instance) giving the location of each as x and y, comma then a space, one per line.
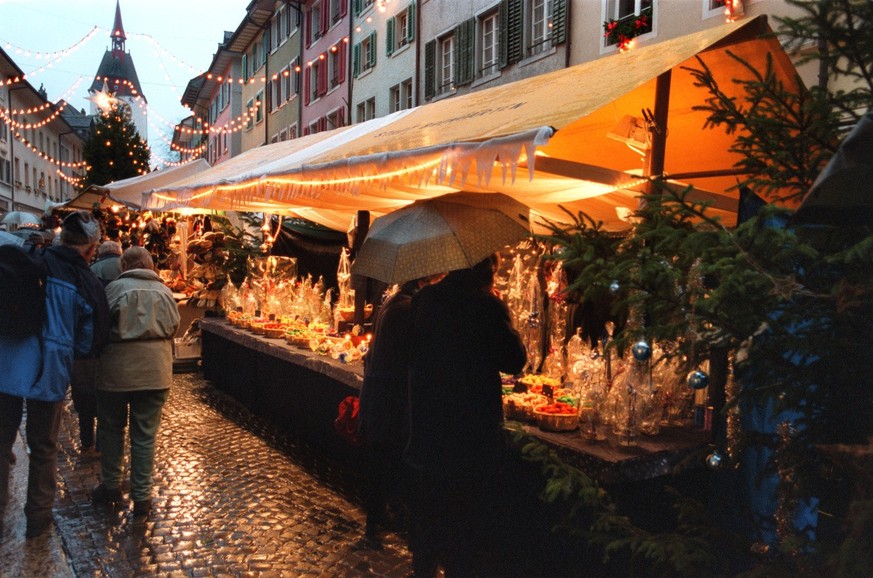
543, 140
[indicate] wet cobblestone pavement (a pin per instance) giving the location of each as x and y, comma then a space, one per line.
231, 498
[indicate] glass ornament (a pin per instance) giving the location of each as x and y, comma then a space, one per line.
641, 350
698, 379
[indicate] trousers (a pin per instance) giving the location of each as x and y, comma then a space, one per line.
141, 411
41, 432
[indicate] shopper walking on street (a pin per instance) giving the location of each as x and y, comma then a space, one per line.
35, 370
462, 338
135, 374
383, 409
83, 381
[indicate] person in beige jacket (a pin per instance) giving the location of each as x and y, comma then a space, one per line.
135, 374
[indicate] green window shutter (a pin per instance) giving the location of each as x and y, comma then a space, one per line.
245, 67
356, 59
559, 21
264, 46
464, 42
372, 55
512, 30
410, 22
389, 37
356, 7
429, 69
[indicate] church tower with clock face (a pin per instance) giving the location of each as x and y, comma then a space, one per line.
116, 79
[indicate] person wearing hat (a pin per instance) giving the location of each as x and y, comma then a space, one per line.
108, 264
36, 368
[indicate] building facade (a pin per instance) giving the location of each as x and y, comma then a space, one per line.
40, 152
326, 29
284, 63
384, 58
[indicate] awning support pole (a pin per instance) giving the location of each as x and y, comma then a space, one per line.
654, 163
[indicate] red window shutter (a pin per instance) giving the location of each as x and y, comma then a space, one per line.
306, 85
341, 117
341, 61
308, 29
325, 17
322, 124
344, 7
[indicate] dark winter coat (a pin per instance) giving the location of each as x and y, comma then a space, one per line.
76, 325
462, 337
383, 396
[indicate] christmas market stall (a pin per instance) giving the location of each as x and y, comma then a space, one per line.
588, 139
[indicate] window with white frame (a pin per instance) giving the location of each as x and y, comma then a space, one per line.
315, 20
293, 79
313, 127
629, 10
400, 29
259, 107
445, 64
336, 10
394, 98
315, 72
539, 32
250, 112
359, 6
278, 28
292, 131
335, 119
489, 43
366, 110
335, 68
274, 139
364, 54
400, 96
283, 134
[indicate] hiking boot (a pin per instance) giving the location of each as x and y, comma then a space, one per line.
37, 527
142, 508
103, 495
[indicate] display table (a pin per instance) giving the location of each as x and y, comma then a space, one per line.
300, 391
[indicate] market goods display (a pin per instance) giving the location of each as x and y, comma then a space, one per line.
521, 406
558, 416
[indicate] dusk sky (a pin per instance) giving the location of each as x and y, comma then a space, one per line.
170, 42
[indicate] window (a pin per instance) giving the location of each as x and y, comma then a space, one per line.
336, 119
337, 10
279, 28
336, 64
630, 10
292, 132
406, 93
540, 26
259, 107
5, 170
361, 5
446, 64
315, 29
394, 99
400, 30
366, 110
250, 113
293, 79
489, 38
283, 135
315, 73
364, 54
400, 97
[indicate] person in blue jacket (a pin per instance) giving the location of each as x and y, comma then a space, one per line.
35, 370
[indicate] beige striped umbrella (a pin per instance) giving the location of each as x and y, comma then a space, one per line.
439, 235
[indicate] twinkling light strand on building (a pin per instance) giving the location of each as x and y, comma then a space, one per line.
31, 125
46, 156
63, 54
46, 105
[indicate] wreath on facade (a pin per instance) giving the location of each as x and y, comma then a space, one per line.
622, 31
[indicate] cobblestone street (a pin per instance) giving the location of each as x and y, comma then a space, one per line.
231, 498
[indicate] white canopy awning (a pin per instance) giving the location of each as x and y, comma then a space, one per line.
544, 140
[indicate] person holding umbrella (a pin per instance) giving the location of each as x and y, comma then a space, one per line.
383, 405
462, 338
